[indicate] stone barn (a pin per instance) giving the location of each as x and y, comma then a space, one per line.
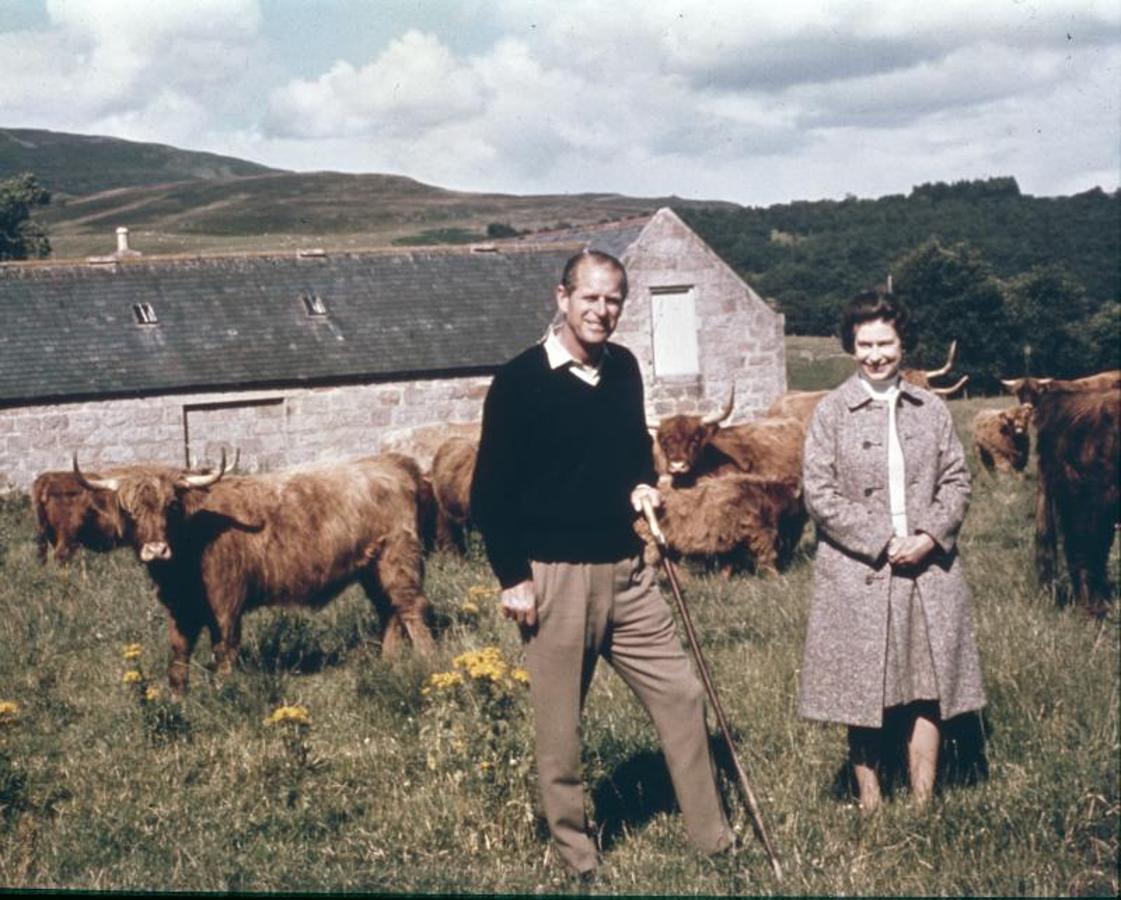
318, 355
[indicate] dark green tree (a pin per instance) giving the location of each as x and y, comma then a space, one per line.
1103, 337
501, 230
951, 294
20, 238
1047, 311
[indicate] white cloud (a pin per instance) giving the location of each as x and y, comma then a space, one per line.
118, 63
414, 84
755, 102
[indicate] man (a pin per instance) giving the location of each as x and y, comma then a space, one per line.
564, 463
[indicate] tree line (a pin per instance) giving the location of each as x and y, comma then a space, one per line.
1026, 285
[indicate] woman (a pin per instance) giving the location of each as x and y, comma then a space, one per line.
890, 626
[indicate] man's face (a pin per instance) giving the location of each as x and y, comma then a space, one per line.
591, 310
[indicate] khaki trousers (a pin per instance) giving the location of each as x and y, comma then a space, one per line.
614, 610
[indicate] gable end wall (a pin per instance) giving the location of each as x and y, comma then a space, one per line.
740, 338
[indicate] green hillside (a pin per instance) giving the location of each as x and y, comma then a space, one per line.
77, 164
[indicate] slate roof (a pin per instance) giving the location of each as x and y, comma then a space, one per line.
69, 330
239, 321
613, 237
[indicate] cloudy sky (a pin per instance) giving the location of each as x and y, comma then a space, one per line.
755, 101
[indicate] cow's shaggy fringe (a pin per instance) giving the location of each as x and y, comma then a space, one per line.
87, 806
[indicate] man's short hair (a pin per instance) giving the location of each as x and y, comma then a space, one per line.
590, 257
868, 306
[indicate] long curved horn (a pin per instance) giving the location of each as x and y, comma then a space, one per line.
94, 484
721, 415
1011, 384
950, 357
201, 481
953, 389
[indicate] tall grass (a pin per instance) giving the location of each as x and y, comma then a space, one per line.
398, 784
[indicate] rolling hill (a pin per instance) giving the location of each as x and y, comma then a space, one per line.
78, 164
180, 201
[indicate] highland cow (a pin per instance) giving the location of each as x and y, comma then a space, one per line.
218, 547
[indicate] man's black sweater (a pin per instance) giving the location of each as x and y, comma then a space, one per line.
558, 459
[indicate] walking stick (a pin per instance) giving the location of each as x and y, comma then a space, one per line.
710, 688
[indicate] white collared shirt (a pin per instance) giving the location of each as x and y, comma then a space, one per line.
559, 356
896, 479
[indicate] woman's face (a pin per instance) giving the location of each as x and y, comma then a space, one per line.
879, 352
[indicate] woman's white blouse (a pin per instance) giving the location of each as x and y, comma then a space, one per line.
889, 393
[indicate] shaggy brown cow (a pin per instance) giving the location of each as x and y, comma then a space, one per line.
1029, 390
799, 405
426, 512
453, 467
1001, 439
217, 548
68, 516
924, 377
1079, 445
737, 520
696, 447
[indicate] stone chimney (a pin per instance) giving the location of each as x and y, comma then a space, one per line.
123, 248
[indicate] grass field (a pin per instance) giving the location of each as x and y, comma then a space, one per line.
396, 784
815, 363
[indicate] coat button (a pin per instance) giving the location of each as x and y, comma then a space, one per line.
867, 445
869, 579
868, 492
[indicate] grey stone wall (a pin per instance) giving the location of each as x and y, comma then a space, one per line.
740, 338
270, 429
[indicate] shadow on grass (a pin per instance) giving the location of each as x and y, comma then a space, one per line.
640, 788
962, 760
633, 793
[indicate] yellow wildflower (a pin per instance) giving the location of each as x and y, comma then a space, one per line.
132, 677
483, 664
480, 592
470, 608
152, 694
297, 715
131, 651
9, 712
442, 681
520, 675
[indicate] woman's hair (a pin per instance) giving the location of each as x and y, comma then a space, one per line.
868, 306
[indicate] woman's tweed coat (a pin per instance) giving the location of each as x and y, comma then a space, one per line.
846, 490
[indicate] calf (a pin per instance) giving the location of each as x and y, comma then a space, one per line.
217, 547
1001, 439
737, 520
